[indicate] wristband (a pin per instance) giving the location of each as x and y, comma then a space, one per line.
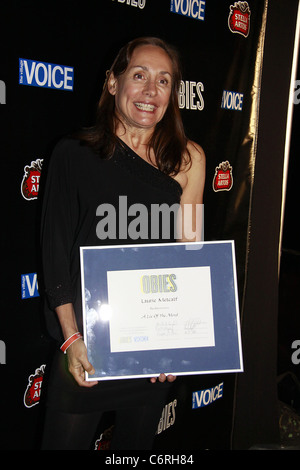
70, 341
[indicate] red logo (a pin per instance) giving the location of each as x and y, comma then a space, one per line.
239, 18
103, 443
31, 180
223, 179
33, 391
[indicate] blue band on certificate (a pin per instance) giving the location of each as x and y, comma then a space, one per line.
170, 308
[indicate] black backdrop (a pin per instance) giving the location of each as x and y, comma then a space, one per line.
246, 63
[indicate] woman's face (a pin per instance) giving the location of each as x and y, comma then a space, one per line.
143, 91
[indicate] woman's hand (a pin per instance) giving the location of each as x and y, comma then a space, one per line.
79, 364
163, 378
77, 354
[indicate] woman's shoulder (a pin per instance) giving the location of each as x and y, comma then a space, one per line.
193, 166
69, 150
194, 159
68, 144
195, 151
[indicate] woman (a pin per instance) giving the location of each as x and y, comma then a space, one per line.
137, 149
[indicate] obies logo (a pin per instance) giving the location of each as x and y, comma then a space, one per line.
191, 95
33, 391
239, 18
223, 179
31, 180
134, 3
167, 417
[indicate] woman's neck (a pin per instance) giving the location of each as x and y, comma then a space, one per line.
137, 140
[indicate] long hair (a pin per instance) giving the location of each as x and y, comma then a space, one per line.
168, 140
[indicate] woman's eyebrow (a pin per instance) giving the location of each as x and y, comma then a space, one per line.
146, 69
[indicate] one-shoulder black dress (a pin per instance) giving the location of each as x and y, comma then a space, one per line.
78, 181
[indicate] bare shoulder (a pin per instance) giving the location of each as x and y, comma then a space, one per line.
196, 153
195, 160
192, 171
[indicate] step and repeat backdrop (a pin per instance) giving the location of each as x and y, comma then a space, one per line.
53, 66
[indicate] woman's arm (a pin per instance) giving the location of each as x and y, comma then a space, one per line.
77, 354
59, 218
190, 223
192, 179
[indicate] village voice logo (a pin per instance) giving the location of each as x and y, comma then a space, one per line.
192, 8
207, 397
45, 75
29, 286
232, 100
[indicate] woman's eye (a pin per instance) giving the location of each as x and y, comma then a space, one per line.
138, 76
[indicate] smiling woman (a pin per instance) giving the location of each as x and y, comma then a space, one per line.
140, 60
136, 150
142, 92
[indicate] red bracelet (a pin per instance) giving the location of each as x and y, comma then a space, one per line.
70, 341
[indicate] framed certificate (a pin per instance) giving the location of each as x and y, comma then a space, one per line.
170, 308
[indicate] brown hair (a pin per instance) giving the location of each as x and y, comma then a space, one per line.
168, 140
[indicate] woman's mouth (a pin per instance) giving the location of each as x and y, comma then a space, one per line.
145, 107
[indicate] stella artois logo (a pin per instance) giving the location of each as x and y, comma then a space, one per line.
239, 18
33, 391
103, 443
31, 180
223, 179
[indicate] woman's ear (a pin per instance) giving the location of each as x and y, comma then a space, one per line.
112, 84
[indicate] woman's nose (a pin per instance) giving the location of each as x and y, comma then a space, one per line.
150, 88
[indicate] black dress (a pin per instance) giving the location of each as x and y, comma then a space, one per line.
78, 181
